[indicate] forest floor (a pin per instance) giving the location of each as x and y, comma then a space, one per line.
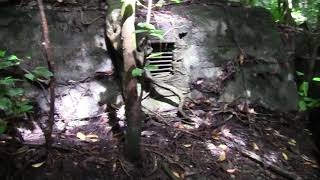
241, 143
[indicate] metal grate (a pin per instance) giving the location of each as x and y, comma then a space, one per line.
163, 62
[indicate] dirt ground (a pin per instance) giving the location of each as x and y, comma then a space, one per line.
239, 142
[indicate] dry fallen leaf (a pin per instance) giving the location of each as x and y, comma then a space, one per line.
231, 171
292, 142
255, 146
37, 164
285, 156
81, 136
222, 156
187, 145
215, 136
92, 136
176, 174
223, 147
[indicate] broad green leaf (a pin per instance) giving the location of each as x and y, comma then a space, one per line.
146, 26
8, 81
152, 55
150, 67
24, 107
6, 64
160, 36
304, 88
137, 72
13, 58
176, 1
29, 76
299, 73
2, 53
302, 106
42, 72
3, 127
316, 79
15, 92
5, 104
141, 31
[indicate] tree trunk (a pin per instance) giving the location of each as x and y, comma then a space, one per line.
132, 103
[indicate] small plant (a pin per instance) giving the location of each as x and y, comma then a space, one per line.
306, 102
13, 103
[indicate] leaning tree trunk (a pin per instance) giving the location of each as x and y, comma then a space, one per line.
132, 103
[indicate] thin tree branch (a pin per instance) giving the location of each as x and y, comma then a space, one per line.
50, 62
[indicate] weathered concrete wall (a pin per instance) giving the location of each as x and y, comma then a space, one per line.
79, 51
208, 36
204, 37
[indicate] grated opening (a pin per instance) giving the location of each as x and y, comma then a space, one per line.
163, 62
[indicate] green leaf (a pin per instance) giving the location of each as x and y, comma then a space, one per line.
141, 31
15, 92
42, 72
3, 126
316, 79
150, 67
24, 107
137, 72
8, 81
30, 76
13, 58
153, 55
146, 26
302, 106
299, 73
304, 88
6, 64
5, 104
2, 53
160, 36
176, 1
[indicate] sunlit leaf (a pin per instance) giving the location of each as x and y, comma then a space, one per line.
153, 55
292, 142
285, 156
81, 136
38, 164
316, 79
176, 1
255, 146
304, 88
176, 174
151, 67
92, 136
13, 58
30, 76
146, 26
187, 145
140, 31
299, 73
137, 72
231, 171
223, 147
222, 156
